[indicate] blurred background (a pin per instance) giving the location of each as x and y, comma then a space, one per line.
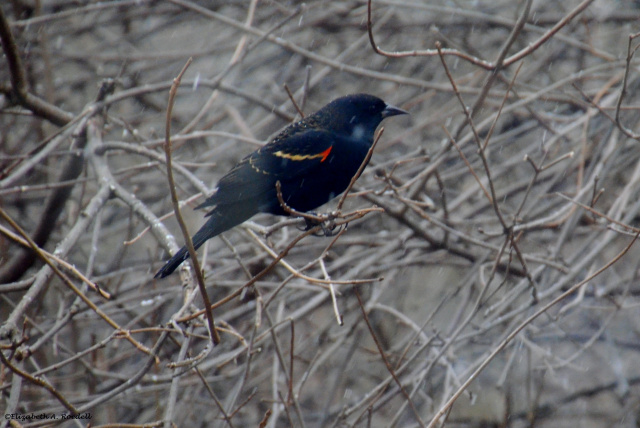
495, 284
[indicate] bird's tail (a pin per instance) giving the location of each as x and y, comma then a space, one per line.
218, 222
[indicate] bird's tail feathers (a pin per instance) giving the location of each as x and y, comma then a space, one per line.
173, 263
220, 220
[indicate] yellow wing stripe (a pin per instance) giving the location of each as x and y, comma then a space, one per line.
322, 156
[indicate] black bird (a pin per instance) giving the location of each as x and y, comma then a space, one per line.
314, 160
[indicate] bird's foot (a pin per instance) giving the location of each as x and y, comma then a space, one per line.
327, 225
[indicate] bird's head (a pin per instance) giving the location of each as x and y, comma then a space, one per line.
356, 116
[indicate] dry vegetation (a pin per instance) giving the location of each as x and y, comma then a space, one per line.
496, 284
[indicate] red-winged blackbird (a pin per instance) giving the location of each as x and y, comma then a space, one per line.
314, 160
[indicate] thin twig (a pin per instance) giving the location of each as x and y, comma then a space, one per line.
360, 169
215, 337
445, 408
390, 368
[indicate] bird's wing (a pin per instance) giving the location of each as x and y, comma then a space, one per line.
293, 156
285, 158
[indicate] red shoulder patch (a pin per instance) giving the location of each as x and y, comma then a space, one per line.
325, 154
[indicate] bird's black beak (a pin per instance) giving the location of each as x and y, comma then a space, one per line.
390, 110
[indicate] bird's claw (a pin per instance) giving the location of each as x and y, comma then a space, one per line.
327, 226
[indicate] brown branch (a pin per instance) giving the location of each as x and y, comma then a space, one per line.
445, 408
532, 47
71, 268
39, 382
481, 151
623, 91
257, 277
364, 163
65, 279
293, 101
387, 364
213, 333
19, 80
429, 52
